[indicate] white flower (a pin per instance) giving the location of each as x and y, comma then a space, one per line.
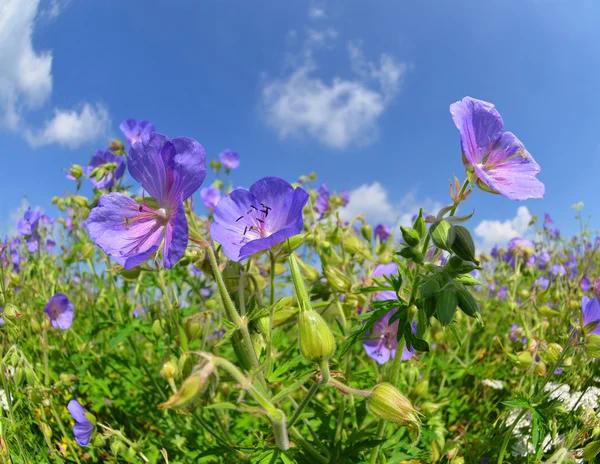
495, 384
3, 399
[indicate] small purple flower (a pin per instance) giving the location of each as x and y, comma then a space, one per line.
515, 333
50, 245
205, 292
345, 197
1, 318
522, 245
134, 130
249, 221
498, 160
229, 159
542, 282
28, 224
322, 201
139, 311
385, 270
591, 313
502, 293
83, 428
130, 232
100, 158
60, 311
548, 220
544, 260
383, 232
597, 287
585, 283
210, 196
382, 345
558, 371
557, 270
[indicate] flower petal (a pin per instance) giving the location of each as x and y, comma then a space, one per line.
147, 166
176, 238
480, 126
262, 244
189, 163
511, 171
286, 203
591, 313
77, 411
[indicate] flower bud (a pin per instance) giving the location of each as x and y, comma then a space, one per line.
116, 146
421, 388
300, 287
419, 225
522, 360
192, 326
193, 386
548, 311
367, 232
316, 340
99, 440
157, 328
411, 254
456, 265
169, 370
117, 447
386, 402
445, 306
46, 430
337, 279
463, 245
310, 272
467, 303
87, 251
410, 236
552, 352
76, 171
80, 201
443, 235
540, 369
18, 375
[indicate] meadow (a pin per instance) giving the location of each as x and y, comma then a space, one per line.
166, 319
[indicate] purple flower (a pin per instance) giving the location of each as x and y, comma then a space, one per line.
322, 201
591, 313
229, 159
1, 318
542, 282
515, 332
345, 197
544, 260
382, 344
249, 221
597, 287
139, 311
28, 224
558, 371
501, 293
134, 130
83, 428
498, 160
385, 270
521, 245
50, 244
60, 311
557, 270
205, 292
585, 283
383, 232
130, 232
210, 196
548, 220
100, 158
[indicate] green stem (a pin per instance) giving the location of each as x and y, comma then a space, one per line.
508, 435
232, 314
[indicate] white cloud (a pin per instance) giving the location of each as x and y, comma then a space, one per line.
9, 225
372, 201
338, 113
500, 232
72, 128
26, 74
316, 13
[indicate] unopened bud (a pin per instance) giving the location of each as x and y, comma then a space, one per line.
522, 360
87, 251
193, 386
99, 440
463, 245
367, 232
410, 236
76, 171
116, 146
419, 225
316, 340
445, 306
35, 325
386, 402
443, 235
337, 279
540, 369
157, 328
192, 325
46, 430
80, 201
18, 375
467, 303
421, 388
117, 447
310, 272
411, 254
553, 352
169, 370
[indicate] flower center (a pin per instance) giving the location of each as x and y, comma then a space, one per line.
255, 222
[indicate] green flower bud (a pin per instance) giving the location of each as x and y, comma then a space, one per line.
87, 251
46, 430
463, 245
410, 236
337, 279
421, 388
193, 325
412, 374
467, 279
522, 360
117, 447
429, 287
301, 293
80, 201
467, 303
116, 146
76, 171
316, 340
552, 352
157, 329
367, 232
193, 387
310, 272
411, 254
591, 450
419, 225
456, 265
336, 236
443, 235
169, 369
36, 396
540, 369
12, 312
386, 402
445, 306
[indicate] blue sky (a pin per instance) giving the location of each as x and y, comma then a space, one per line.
357, 91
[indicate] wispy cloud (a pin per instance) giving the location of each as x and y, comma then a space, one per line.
493, 233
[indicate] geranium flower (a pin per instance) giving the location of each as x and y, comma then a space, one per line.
250, 221
130, 232
383, 232
591, 313
229, 159
84, 427
60, 311
322, 201
497, 160
133, 130
210, 196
